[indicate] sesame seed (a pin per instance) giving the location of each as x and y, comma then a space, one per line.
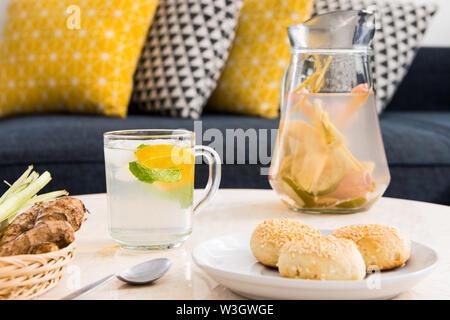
375, 232
283, 231
322, 247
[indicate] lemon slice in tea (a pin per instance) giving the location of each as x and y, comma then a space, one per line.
170, 157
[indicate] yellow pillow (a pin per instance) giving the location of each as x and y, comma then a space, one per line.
71, 55
250, 81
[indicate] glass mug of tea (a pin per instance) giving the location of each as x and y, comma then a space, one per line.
150, 186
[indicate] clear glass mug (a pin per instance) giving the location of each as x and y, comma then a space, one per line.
150, 186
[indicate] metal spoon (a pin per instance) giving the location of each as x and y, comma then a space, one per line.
140, 274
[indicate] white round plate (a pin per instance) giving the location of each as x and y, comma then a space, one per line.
229, 261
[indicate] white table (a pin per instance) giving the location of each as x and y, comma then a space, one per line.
238, 210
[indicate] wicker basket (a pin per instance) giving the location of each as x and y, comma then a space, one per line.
28, 276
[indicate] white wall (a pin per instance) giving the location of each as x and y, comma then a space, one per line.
438, 33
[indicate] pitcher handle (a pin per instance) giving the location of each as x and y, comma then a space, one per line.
212, 186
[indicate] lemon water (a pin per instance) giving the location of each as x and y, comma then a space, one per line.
144, 215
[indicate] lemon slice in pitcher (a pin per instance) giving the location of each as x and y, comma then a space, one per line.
331, 176
352, 204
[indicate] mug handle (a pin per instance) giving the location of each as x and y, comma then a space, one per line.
215, 169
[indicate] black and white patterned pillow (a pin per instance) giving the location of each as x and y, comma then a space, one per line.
186, 49
400, 28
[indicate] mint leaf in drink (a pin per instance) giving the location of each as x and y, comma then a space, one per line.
150, 175
141, 146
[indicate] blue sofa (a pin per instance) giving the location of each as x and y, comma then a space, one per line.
415, 127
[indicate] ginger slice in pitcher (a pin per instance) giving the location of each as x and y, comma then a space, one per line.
354, 185
333, 136
360, 94
331, 176
310, 156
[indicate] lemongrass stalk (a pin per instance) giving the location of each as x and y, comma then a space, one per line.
33, 176
23, 186
45, 197
16, 184
15, 201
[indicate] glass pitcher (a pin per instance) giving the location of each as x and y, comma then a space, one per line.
329, 156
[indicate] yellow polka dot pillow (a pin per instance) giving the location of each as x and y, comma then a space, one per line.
250, 81
70, 55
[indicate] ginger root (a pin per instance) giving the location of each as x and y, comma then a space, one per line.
44, 248
45, 227
22, 223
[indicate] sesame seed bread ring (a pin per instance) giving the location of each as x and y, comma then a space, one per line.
382, 247
322, 258
270, 235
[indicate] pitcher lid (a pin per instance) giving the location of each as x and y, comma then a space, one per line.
351, 29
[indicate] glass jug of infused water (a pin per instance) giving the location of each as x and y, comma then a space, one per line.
329, 156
